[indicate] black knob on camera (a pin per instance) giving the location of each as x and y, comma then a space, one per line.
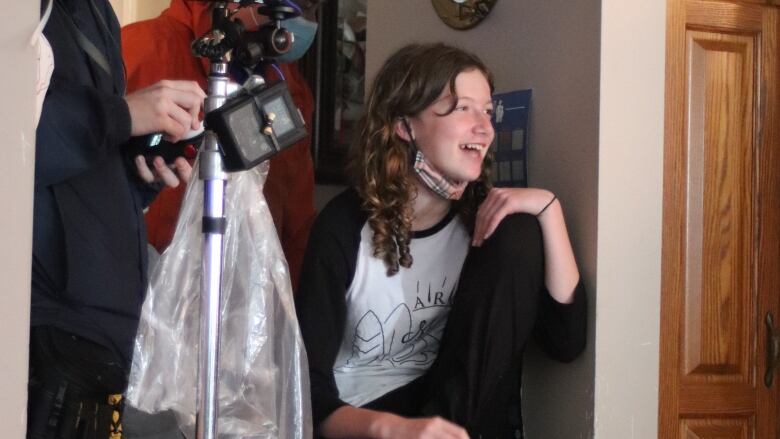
266, 42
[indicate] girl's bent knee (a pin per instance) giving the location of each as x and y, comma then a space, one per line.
517, 236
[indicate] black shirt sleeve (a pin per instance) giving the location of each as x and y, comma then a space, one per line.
327, 271
561, 328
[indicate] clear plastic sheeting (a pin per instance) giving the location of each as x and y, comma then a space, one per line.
263, 375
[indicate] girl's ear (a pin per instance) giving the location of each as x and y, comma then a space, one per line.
402, 129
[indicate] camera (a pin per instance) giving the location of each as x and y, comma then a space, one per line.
154, 145
249, 47
260, 120
270, 40
256, 124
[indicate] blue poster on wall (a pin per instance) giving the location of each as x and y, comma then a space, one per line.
510, 147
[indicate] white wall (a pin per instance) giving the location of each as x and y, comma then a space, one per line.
16, 187
129, 11
551, 46
630, 199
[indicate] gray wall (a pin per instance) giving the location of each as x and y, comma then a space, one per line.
551, 46
16, 182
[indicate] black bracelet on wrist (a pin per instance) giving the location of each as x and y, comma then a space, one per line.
555, 197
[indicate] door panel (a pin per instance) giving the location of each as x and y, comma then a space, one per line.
721, 237
718, 288
716, 429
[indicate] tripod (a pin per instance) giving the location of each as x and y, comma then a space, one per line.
260, 111
214, 182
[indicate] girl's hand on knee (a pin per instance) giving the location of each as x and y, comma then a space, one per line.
501, 202
349, 422
423, 428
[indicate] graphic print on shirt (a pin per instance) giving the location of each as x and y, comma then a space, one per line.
410, 334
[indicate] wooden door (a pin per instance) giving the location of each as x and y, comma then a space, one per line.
721, 220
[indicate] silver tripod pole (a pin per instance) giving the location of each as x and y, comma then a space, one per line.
214, 181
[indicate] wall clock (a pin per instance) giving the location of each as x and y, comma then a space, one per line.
463, 14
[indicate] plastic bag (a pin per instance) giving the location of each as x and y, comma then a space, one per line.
263, 375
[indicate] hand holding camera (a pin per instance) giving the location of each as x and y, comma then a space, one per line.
161, 116
170, 107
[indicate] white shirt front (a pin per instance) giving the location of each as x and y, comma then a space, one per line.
394, 323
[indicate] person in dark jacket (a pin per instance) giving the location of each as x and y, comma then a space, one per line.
89, 247
422, 284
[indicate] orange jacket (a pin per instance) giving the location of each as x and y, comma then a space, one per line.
158, 49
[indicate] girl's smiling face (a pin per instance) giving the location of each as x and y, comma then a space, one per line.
456, 143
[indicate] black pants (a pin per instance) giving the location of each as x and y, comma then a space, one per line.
475, 380
74, 388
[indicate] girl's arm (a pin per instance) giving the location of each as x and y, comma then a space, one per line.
561, 273
354, 422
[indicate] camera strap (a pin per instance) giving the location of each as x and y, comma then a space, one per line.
84, 43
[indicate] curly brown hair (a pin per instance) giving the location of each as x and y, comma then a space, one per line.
380, 163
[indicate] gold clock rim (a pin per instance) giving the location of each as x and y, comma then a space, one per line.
446, 9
